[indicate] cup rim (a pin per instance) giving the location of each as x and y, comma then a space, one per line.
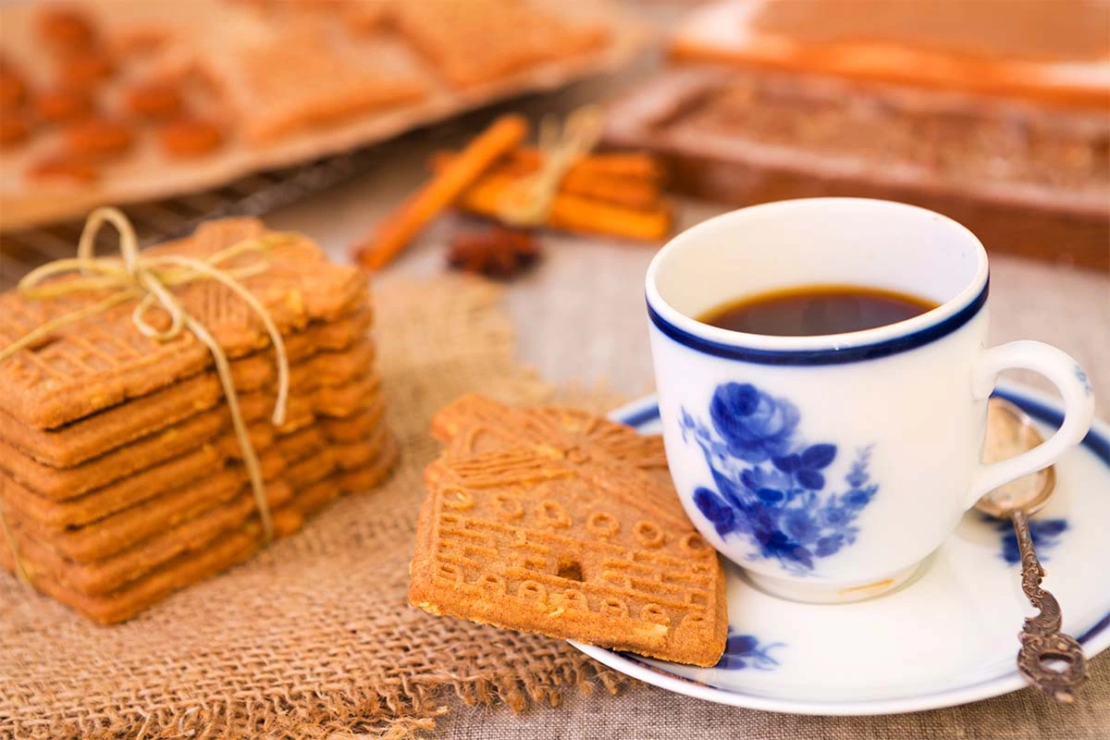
825, 348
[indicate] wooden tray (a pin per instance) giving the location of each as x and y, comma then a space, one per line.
1025, 180
146, 176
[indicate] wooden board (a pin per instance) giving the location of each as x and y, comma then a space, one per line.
146, 174
1025, 180
1051, 51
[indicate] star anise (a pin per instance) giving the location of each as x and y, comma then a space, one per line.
498, 252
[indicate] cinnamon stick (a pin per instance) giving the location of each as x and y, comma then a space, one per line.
631, 165
632, 192
574, 213
635, 193
617, 164
399, 228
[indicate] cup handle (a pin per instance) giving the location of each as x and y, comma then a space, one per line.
1079, 408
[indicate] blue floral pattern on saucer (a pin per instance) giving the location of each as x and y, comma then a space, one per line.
770, 485
744, 651
1045, 534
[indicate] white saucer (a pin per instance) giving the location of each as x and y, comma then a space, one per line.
948, 637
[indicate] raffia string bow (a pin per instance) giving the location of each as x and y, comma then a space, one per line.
528, 201
150, 279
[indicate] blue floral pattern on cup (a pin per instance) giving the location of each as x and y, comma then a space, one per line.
744, 651
770, 485
1044, 532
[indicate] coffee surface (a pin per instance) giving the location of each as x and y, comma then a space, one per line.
815, 310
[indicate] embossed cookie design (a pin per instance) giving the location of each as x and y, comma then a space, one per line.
555, 521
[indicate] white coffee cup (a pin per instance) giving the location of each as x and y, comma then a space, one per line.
830, 467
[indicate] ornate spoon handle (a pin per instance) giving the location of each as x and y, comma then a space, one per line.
1041, 638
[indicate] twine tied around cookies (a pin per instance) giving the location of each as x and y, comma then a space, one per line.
528, 201
150, 279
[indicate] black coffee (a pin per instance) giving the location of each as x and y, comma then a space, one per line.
816, 309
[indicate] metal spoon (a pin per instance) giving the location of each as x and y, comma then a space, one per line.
1049, 659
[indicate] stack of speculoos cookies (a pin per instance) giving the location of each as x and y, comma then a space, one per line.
121, 476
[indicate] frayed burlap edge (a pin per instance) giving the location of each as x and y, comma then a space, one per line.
247, 654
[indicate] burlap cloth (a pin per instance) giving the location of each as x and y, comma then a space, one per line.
313, 638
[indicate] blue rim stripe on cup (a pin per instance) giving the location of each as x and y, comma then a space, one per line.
827, 356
